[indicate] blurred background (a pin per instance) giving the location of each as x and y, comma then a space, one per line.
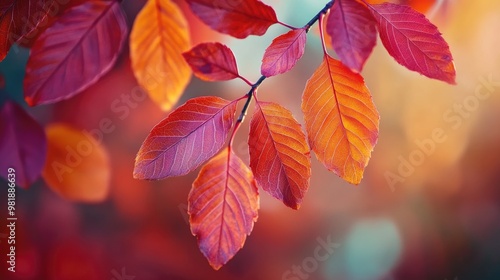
427, 208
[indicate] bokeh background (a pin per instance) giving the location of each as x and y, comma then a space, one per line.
420, 213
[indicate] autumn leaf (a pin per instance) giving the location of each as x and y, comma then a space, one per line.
54, 11
414, 41
188, 137
75, 52
77, 166
18, 18
279, 154
420, 5
212, 62
341, 119
222, 207
238, 18
22, 144
284, 52
159, 37
353, 32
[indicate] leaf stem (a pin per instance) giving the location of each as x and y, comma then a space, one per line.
245, 80
287, 25
243, 113
318, 15
253, 89
249, 98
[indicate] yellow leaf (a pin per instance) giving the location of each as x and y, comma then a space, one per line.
77, 166
159, 37
341, 119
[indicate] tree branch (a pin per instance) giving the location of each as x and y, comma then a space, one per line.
262, 78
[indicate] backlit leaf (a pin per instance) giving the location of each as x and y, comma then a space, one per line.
353, 32
77, 166
238, 18
222, 207
159, 37
341, 119
421, 5
22, 144
54, 11
212, 62
18, 18
414, 41
284, 52
187, 138
279, 154
75, 52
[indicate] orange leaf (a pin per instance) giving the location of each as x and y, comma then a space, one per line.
77, 166
223, 206
279, 154
341, 119
159, 37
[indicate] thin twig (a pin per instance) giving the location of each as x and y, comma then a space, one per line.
262, 78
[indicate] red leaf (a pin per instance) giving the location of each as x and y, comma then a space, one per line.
284, 52
75, 52
414, 41
279, 154
22, 144
212, 62
341, 119
238, 18
184, 140
53, 11
353, 32
223, 205
18, 18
